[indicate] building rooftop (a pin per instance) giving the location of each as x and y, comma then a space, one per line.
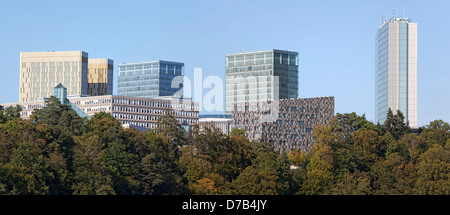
149, 62
263, 51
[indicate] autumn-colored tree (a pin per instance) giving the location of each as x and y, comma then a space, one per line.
319, 171
433, 171
437, 132
297, 157
256, 182
159, 172
366, 148
356, 183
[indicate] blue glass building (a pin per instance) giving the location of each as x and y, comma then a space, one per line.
148, 79
60, 93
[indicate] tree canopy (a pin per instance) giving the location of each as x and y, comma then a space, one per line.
57, 152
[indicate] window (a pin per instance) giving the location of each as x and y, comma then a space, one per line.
301, 123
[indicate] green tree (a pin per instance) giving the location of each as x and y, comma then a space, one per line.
350, 122
10, 113
26, 172
267, 160
320, 177
395, 124
366, 148
437, 132
159, 172
13, 112
169, 126
90, 177
433, 171
122, 165
62, 117
356, 183
297, 157
237, 132
256, 182
437, 125
2, 114
393, 176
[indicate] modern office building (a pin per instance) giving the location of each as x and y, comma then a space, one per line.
40, 72
132, 111
100, 77
396, 70
219, 121
260, 76
292, 125
148, 79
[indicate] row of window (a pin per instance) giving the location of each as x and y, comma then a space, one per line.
150, 125
154, 111
50, 64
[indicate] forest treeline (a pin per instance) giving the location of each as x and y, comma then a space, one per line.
57, 152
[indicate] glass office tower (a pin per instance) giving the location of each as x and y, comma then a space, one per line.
252, 77
148, 79
396, 70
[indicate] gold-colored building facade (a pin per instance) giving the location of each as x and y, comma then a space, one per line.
100, 77
40, 72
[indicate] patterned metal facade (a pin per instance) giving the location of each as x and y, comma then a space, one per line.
292, 124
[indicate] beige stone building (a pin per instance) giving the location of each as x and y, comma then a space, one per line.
40, 72
134, 111
100, 77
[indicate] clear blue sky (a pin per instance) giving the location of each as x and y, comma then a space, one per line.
335, 40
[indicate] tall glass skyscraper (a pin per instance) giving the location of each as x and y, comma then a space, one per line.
148, 79
396, 70
252, 76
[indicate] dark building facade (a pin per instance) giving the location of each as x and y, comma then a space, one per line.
290, 126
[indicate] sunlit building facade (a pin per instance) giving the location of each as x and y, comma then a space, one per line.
100, 77
396, 70
149, 79
133, 111
260, 76
40, 72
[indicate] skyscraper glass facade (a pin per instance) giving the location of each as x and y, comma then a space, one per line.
396, 70
255, 76
148, 79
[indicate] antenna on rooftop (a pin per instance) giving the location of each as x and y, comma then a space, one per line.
403, 16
